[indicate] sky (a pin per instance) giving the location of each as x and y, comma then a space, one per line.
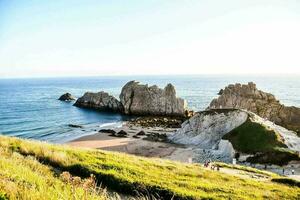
139, 37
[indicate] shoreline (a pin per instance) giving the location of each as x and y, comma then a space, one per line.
141, 145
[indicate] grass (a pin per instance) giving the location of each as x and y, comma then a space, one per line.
252, 137
123, 173
267, 145
3, 196
23, 177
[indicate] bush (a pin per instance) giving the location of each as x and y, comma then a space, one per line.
2, 196
278, 157
287, 181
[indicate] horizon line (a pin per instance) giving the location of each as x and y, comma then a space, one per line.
154, 75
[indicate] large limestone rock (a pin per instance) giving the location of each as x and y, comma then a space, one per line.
100, 101
139, 99
204, 132
206, 129
263, 104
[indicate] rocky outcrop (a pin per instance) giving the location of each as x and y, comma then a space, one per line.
100, 101
206, 129
206, 132
66, 97
263, 104
139, 99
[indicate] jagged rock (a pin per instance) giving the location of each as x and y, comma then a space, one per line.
206, 129
220, 92
263, 104
121, 133
100, 101
139, 99
206, 133
66, 97
141, 133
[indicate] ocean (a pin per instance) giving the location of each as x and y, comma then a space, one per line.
29, 107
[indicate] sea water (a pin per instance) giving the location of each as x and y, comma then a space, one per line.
29, 107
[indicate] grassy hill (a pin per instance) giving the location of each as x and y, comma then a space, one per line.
35, 170
254, 138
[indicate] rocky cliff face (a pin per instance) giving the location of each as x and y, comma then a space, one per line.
100, 101
206, 129
263, 104
139, 99
205, 133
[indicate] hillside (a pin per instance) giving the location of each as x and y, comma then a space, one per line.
35, 170
258, 138
218, 134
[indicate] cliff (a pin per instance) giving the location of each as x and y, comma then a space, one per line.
261, 103
139, 99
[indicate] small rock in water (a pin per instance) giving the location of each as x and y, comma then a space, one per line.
75, 126
66, 97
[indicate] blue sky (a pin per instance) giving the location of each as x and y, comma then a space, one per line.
84, 38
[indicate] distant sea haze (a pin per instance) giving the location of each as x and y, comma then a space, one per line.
29, 107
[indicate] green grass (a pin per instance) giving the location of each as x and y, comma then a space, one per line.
3, 196
125, 173
252, 137
267, 145
26, 178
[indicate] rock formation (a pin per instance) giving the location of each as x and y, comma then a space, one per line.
263, 104
100, 101
206, 129
139, 99
66, 97
205, 133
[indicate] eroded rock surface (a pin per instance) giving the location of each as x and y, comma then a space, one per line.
139, 99
204, 132
100, 101
206, 129
263, 104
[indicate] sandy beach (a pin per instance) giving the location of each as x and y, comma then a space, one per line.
141, 145
137, 145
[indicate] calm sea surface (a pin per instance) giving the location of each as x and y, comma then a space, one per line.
29, 107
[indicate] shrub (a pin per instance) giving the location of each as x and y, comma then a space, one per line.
287, 181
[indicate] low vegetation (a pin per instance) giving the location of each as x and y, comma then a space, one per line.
247, 169
23, 177
267, 145
287, 181
33, 170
